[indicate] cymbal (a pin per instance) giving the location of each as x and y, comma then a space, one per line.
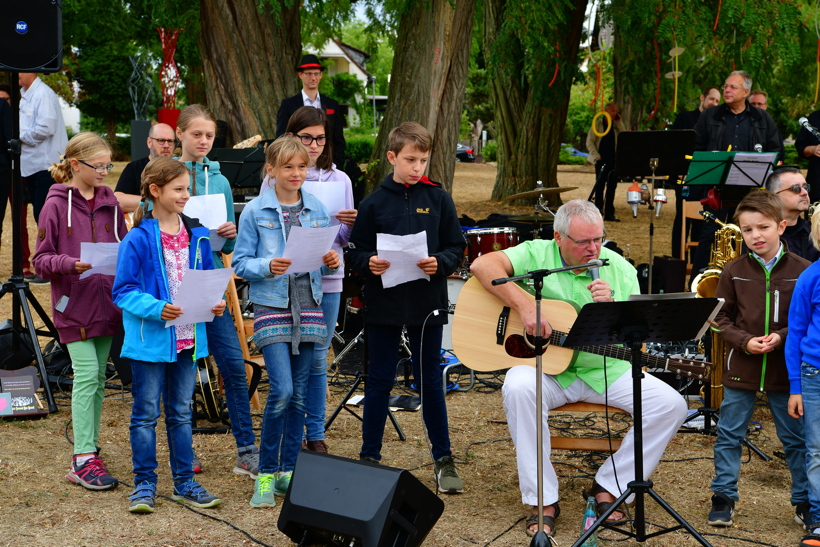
533, 219
540, 191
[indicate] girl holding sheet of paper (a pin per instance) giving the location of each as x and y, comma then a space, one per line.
81, 209
196, 129
333, 188
288, 320
153, 259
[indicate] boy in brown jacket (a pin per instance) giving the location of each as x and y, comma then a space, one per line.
757, 288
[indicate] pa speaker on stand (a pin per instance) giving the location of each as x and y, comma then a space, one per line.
32, 34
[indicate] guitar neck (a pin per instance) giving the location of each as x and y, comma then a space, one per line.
611, 350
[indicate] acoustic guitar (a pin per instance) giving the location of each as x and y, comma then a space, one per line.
489, 336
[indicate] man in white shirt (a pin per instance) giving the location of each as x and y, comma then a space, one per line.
44, 138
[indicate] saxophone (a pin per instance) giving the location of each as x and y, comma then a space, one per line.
727, 247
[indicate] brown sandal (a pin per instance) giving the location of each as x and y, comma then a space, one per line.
549, 520
601, 507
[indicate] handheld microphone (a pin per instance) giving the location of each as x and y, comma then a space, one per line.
593, 270
758, 148
809, 127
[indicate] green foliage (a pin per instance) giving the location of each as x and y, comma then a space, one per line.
347, 89
360, 35
792, 158
477, 104
490, 151
360, 147
579, 116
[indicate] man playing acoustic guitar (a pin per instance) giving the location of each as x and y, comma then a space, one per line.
579, 237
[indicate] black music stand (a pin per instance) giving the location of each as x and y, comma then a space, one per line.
653, 153
633, 323
17, 286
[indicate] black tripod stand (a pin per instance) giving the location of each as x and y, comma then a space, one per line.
633, 323
362, 377
17, 286
710, 414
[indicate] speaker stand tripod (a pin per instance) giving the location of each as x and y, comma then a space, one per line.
17, 286
362, 377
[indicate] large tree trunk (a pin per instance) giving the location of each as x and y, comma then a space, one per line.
248, 59
427, 86
450, 76
528, 127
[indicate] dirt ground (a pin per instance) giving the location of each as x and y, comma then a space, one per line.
39, 507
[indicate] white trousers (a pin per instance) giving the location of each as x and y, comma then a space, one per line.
664, 410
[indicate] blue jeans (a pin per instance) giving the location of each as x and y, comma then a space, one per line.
383, 343
810, 382
735, 413
283, 423
174, 384
224, 346
317, 381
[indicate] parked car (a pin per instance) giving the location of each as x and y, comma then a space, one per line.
573, 151
464, 154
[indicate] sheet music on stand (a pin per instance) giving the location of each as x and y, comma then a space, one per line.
750, 168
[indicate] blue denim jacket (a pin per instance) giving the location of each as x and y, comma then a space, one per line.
261, 238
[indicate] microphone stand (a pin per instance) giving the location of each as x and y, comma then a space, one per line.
541, 539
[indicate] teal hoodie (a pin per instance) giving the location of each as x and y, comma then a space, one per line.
208, 179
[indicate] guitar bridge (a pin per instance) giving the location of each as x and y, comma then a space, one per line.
501, 326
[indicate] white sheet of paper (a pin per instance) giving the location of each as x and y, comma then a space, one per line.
209, 210
199, 292
403, 254
330, 193
217, 241
101, 256
749, 168
306, 247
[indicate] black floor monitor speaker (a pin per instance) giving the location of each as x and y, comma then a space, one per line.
32, 32
338, 501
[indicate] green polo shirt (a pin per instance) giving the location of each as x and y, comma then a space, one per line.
571, 287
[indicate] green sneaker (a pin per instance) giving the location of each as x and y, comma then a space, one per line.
280, 486
142, 498
447, 476
262, 494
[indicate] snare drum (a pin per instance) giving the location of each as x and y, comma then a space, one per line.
487, 240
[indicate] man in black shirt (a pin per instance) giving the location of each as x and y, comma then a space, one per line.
808, 146
160, 143
734, 125
602, 152
791, 186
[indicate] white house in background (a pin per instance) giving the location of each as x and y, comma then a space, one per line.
339, 57
71, 116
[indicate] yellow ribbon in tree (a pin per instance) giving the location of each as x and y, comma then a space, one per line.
609, 123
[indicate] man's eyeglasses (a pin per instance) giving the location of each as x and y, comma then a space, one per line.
163, 142
312, 74
101, 169
598, 241
307, 140
796, 188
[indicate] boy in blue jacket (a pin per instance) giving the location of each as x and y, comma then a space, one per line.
408, 203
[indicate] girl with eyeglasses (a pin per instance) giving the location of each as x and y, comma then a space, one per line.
80, 210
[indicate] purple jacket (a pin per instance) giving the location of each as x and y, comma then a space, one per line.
65, 222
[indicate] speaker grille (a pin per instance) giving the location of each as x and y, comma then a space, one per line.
32, 32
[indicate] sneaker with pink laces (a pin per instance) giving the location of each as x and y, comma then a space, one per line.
91, 474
